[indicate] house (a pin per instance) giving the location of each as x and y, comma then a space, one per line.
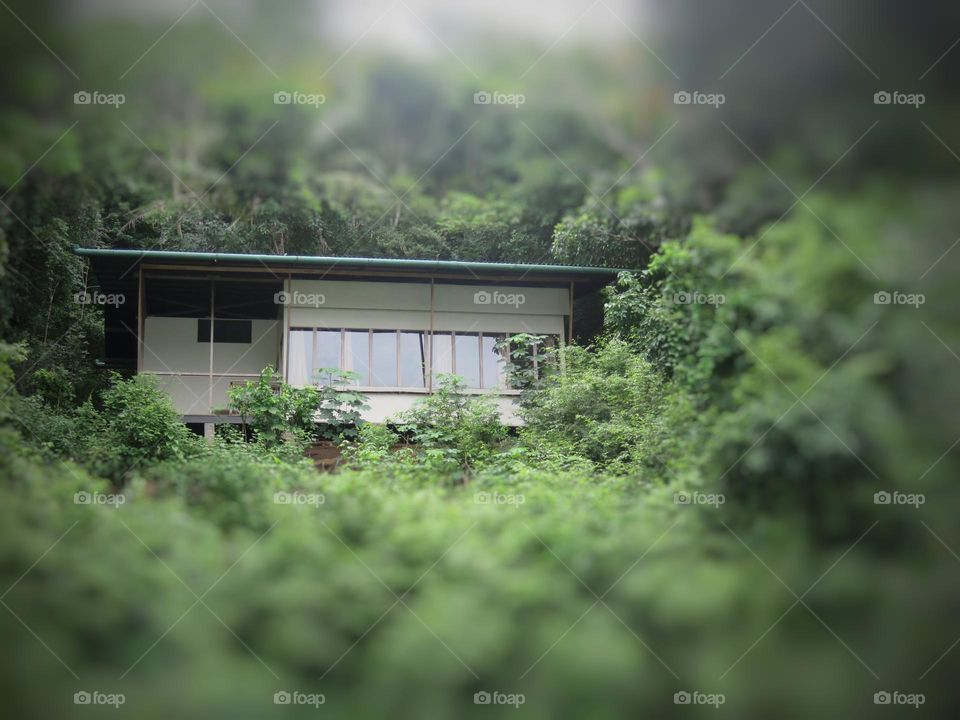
396, 323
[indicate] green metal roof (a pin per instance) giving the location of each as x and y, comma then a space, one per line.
320, 261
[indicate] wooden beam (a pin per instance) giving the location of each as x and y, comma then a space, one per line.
141, 319
429, 365
212, 323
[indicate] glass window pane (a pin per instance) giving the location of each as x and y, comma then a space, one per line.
384, 358
413, 358
327, 353
356, 356
300, 357
468, 359
494, 366
442, 354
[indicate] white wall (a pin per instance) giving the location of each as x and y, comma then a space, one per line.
406, 306
385, 405
170, 346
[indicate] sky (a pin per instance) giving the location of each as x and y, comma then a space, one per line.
419, 27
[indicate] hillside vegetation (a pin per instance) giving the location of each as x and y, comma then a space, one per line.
739, 482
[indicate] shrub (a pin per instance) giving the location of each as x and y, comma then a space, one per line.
277, 412
135, 426
454, 429
373, 447
609, 405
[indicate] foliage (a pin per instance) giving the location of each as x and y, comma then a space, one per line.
277, 412
373, 447
134, 426
406, 591
613, 407
522, 373
621, 227
454, 428
676, 310
233, 482
517, 568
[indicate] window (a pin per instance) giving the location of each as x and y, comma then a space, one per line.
225, 331
467, 358
472, 356
383, 353
413, 359
492, 362
441, 354
529, 365
356, 354
326, 353
398, 358
301, 357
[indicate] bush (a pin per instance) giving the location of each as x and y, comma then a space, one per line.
234, 483
135, 426
373, 447
278, 413
455, 430
611, 406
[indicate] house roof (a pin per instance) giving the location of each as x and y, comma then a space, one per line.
348, 265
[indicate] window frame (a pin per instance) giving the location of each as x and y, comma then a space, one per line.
502, 386
222, 328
